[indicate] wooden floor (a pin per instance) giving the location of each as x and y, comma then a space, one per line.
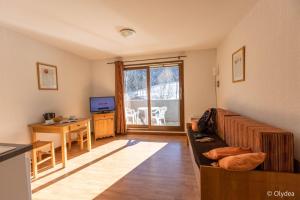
165, 174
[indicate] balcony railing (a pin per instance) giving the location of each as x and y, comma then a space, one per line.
163, 112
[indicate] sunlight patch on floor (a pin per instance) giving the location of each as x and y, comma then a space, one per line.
96, 178
77, 162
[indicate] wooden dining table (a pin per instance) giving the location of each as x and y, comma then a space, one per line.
62, 129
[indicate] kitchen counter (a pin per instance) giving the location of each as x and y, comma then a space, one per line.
18, 150
15, 172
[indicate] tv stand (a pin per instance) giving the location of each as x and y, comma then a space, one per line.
104, 112
104, 124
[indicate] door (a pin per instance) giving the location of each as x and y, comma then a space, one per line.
110, 125
136, 97
153, 96
165, 96
100, 127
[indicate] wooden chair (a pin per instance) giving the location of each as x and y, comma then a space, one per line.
81, 137
37, 155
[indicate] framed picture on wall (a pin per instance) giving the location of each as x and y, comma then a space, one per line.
47, 76
238, 65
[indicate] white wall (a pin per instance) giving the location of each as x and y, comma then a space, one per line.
271, 34
199, 92
21, 102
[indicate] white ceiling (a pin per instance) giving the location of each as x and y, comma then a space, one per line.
89, 28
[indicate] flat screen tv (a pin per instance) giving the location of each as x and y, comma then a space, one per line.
102, 104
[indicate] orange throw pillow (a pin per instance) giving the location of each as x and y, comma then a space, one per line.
218, 153
195, 125
242, 162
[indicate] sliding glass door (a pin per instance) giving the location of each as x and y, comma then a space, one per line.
136, 97
153, 96
164, 96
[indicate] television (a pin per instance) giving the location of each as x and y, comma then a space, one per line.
102, 104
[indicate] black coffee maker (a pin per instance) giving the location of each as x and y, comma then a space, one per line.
49, 116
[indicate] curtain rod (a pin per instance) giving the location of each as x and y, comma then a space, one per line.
127, 61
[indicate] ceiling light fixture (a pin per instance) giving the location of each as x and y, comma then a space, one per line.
127, 32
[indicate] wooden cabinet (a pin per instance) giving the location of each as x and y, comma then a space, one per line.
104, 125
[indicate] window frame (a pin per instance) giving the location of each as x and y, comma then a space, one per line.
148, 66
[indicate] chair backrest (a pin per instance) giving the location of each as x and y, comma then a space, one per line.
162, 111
40, 144
129, 111
155, 111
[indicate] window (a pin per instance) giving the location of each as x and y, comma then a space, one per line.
153, 96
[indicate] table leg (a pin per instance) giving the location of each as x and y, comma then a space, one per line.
34, 163
52, 154
34, 155
64, 157
89, 138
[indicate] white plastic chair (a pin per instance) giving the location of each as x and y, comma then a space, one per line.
159, 115
130, 116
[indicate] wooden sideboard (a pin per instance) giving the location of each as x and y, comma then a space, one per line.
104, 125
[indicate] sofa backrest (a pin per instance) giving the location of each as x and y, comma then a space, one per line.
241, 131
220, 121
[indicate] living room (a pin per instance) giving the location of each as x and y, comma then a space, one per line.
154, 67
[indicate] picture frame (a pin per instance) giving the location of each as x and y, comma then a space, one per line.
47, 76
238, 65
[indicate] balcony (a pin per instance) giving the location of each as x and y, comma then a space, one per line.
163, 112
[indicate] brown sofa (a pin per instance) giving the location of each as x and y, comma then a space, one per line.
273, 175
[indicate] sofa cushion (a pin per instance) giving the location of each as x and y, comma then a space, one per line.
218, 153
242, 162
200, 147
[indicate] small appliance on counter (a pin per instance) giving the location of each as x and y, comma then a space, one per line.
48, 116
